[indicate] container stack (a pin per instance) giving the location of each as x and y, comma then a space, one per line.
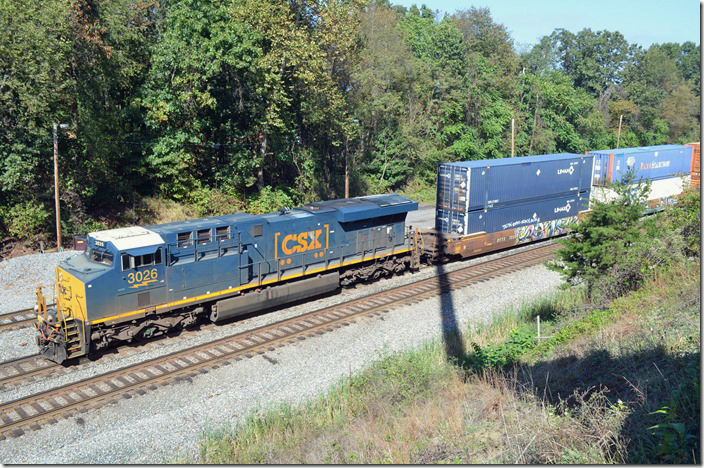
499, 194
649, 162
696, 162
667, 167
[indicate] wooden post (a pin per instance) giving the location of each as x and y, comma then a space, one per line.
347, 168
512, 138
618, 139
537, 319
56, 188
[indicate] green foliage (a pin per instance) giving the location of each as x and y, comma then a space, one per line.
606, 237
214, 202
678, 430
26, 220
594, 60
271, 200
520, 341
685, 218
207, 103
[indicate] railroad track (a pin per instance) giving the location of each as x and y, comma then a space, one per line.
17, 319
30, 413
26, 369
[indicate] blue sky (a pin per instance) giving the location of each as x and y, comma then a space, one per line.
642, 22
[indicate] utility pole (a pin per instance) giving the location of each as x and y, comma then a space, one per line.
347, 167
347, 162
512, 138
618, 139
56, 184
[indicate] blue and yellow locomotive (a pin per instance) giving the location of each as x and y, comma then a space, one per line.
139, 282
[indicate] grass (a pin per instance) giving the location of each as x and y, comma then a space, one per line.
609, 386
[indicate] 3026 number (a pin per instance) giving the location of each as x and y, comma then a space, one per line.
139, 276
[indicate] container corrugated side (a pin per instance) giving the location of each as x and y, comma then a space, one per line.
600, 168
649, 162
661, 188
502, 185
499, 182
696, 164
501, 218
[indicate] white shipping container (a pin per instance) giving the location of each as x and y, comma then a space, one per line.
659, 189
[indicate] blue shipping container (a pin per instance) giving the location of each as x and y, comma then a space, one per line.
649, 162
476, 185
512, 216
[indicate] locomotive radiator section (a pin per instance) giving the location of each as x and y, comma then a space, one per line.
274, 296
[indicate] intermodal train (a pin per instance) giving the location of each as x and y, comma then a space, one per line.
138, 282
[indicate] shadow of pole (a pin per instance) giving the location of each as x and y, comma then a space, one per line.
451, 335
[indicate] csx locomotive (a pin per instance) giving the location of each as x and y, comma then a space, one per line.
138, 282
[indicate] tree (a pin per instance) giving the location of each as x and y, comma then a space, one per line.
604, 237
654, 85
594, 60
686, 57
79, 63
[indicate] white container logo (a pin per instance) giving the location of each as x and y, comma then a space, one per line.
569, 171
565, 208
654, 165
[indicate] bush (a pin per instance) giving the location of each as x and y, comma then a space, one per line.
74, 227
271, 199
26, 220
605, 237
685, 218
214, 202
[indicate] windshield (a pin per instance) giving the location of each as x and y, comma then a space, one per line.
100, 256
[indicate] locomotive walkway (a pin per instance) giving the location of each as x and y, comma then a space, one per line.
30, 413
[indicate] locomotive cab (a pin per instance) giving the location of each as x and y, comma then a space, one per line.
130, 258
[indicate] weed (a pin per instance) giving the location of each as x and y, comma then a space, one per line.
611, 385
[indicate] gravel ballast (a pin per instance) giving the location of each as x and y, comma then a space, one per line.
20, 276
166, 423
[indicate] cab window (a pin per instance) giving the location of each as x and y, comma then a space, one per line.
130, 262
102, 256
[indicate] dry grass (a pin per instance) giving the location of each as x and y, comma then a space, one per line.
588, 400
152, 210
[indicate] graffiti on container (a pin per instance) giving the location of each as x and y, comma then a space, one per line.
537, 231
667, 201
533, 219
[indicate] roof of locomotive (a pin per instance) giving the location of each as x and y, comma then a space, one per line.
355, 209
128, 237
344, 209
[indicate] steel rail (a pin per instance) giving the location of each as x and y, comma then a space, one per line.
29, 413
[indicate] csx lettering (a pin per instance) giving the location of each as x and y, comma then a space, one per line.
302, 242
